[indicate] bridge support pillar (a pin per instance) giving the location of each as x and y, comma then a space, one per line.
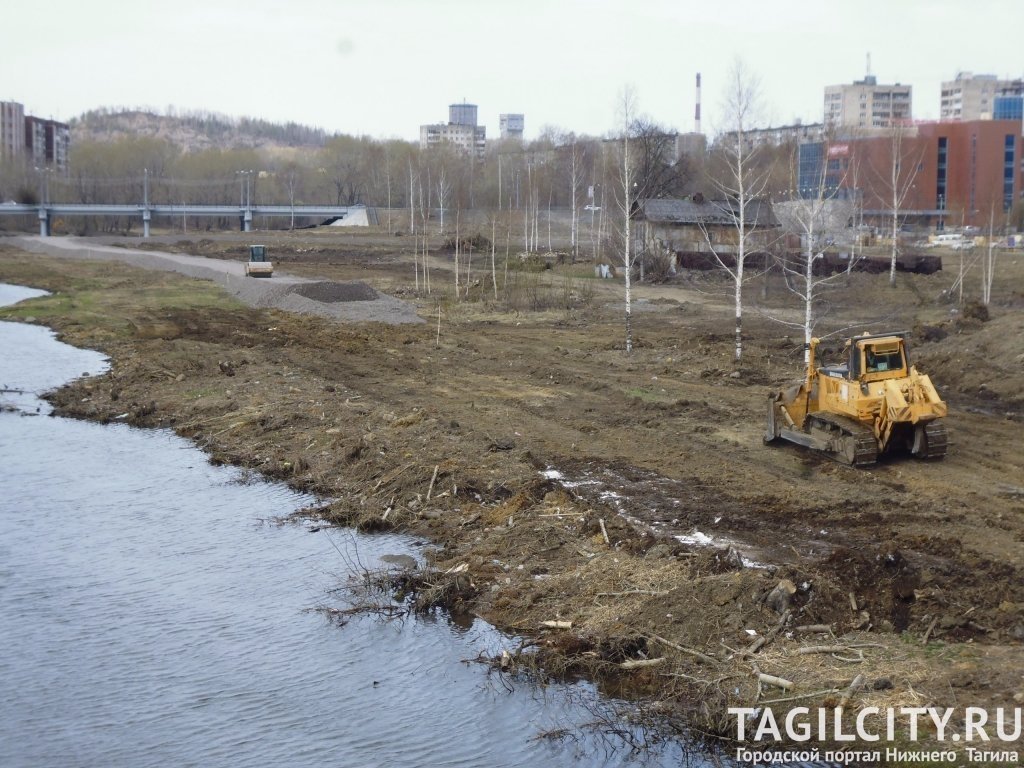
44, 222
247, 221
145, 222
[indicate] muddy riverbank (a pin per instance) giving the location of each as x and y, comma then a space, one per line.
574, 490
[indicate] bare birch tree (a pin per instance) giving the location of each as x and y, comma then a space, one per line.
624, 197
291, 180
387, 177
444, 189
412, 198
742, 183
575, 184
817, 216
897, 180
988, 261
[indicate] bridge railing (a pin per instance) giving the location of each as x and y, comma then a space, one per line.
46, 211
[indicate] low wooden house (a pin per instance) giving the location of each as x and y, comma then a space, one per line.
691, 230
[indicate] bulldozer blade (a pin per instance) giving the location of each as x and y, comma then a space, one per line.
771, 429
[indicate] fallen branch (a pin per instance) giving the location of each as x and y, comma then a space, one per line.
633, 592
433, 479
809, 629
852, 660
764, 640
825, 692
822, 649
927, 634
858, 681
641, 663
780, 682
866, 645
716, 681
754, 647
604, 531
683, 649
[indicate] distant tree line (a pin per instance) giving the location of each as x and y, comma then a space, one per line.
300, 165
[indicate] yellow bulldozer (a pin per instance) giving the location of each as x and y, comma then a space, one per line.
873, 403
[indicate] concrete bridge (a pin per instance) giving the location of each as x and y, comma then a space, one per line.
245, 213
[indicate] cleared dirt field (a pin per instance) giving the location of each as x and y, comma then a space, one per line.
516, 434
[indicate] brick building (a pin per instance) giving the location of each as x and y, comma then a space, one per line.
954, 173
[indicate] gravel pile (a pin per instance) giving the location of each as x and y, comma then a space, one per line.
330, 293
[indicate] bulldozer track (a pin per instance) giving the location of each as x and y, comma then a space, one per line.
937, 442
856, 444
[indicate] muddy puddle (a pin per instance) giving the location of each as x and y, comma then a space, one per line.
156, 611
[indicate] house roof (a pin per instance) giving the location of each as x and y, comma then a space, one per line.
707, 212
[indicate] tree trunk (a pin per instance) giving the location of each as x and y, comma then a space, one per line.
808, 293
494, 273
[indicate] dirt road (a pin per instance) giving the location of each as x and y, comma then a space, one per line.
629, 495
351, 302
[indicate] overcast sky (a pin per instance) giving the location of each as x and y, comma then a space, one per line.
383, 67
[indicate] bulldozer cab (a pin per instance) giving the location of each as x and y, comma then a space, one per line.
257, 253
875, 358
871, 358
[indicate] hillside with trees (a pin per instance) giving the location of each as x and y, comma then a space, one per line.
192, 131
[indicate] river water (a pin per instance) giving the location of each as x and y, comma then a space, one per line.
153, 613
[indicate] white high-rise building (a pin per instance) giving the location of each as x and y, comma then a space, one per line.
12, 129
866, 104
973, 97
511, 125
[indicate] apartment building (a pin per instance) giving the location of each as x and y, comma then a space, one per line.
864, 104
797, 133
47, 141
978, 97
12, 129
41, 142
461, 130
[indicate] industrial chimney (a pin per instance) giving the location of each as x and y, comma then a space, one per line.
696, 112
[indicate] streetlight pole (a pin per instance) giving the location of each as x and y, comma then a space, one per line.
245, 197
44, 184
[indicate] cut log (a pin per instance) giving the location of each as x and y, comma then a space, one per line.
780, 682
640, 663
556, 624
